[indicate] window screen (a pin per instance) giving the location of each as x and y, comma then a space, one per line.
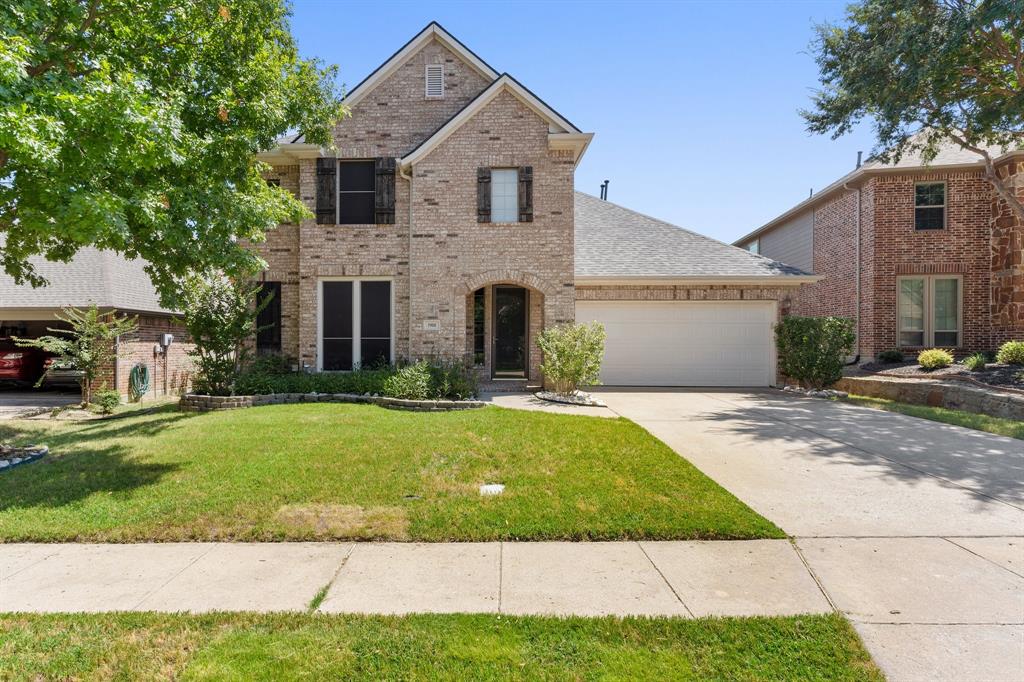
337, 326
375, 324
356, 192
268, 320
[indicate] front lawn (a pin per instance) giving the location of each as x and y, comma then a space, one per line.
971, 420
335, 471
435, 647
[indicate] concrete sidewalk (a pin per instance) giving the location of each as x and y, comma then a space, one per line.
686, 579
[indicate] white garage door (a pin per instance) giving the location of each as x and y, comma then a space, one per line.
683, 343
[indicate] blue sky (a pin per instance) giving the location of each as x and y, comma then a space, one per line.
694, 104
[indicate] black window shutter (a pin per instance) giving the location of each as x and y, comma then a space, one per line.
384, 190
326, 191
526, 194
483, 195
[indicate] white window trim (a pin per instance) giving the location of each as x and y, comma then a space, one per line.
929, 310
944, 205
426, 81
357, 303
514, 169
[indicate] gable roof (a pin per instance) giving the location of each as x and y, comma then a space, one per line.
91, 276
560, 128
432, 31
950, 157
614, 243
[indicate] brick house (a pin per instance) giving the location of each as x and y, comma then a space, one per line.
447, 226
112, 283
919, 255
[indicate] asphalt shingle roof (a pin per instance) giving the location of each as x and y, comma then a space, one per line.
92, 276
612, 241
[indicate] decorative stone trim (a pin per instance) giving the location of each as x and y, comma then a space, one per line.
953, 395
577, 398
211, 403
11, 456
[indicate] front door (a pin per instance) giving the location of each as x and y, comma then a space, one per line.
510, 332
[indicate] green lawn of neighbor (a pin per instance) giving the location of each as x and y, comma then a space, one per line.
327, 471
146, 646
981, 422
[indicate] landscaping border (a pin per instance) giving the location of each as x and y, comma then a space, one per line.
954, 395
193, 402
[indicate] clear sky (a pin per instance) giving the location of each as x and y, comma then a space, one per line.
693, 104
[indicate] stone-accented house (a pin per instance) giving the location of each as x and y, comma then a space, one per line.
919, 255
447, 226
112, 283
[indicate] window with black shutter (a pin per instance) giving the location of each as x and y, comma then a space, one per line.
356, 192
268, 319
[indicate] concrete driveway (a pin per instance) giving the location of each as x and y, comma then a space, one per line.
914, 529
15, 404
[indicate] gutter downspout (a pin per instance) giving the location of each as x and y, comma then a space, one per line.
402, 174
846, 186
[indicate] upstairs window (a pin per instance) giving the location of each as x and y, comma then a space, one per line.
504, 195
355, 192
754, 246
434, 80
929, 206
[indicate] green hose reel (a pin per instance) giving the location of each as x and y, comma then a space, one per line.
138, 381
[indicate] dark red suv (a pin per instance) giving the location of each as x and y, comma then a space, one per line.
19, 366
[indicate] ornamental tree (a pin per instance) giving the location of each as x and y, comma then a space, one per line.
132, 126
926, 72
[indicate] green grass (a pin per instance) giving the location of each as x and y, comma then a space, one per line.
447, 647
323, 471
981, 422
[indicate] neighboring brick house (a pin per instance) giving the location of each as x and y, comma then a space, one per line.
112, 283
447, 226
919, 255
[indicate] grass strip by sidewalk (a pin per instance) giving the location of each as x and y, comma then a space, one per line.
327, 471
224, 646
971, 420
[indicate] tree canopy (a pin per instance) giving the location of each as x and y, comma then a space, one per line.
926, 73
132, 126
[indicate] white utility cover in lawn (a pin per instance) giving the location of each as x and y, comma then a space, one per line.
685, 343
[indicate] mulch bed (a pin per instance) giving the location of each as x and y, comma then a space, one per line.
994, 374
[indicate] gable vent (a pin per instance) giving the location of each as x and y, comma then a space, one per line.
435, 80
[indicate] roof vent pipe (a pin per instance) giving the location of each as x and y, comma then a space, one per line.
604, 190
859, 156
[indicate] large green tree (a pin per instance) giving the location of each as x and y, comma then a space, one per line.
926, 72
132, 126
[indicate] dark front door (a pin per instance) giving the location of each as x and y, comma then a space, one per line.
510, 306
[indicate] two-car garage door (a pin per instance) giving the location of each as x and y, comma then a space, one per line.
685, 343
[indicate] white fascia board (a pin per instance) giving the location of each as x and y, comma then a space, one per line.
433, 31
719, 280
502, 84
286, 154
578, 142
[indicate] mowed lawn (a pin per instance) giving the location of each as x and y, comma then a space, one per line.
428, 647
335, 471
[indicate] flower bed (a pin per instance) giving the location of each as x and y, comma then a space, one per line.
12, 456
193, 402
995, 374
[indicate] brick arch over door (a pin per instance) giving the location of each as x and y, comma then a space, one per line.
519, 277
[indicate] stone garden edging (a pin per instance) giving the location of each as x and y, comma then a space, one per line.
955, 395
193, 402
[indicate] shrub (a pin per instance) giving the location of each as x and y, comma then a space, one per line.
976, 362
890, 356
572, 356
411, 382
935, 358
255, 381
452, 380
1011, 353
106, 400
812, 350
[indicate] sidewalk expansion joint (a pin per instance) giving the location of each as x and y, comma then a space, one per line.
994, 563
678, 598
321, 594
814, 576
167, 582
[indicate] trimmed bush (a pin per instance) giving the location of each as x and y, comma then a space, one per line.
1011, 353
976, 362
890, 356
812, 350
106, 400
935, 358
572, 356
410, 383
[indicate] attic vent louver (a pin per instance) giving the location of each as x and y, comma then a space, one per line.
435, 80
